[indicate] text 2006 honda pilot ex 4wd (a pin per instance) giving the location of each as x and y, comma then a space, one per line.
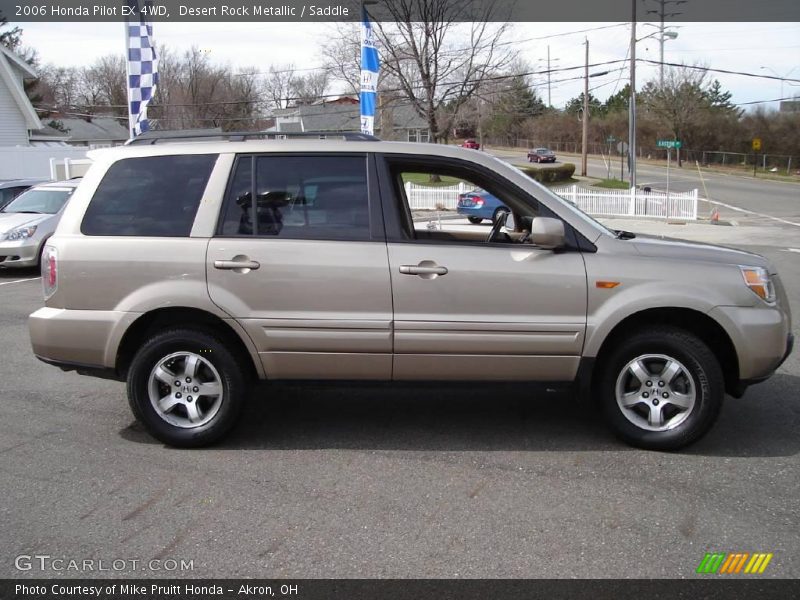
189, 269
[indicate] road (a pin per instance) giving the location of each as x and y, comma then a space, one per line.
763, 199
388, 481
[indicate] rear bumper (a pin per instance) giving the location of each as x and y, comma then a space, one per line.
88, 338
474, 211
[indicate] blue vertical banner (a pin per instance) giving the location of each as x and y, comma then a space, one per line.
370, 66
142, 67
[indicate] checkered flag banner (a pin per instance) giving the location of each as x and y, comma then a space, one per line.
142, 70
370, 67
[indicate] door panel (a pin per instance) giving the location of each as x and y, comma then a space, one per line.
514, 312
314, 308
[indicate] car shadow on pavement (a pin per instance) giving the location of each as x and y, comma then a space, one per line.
765, 422
417, 417
13, 274
283, 416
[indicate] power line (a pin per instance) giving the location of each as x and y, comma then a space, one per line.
711, 70
457, 51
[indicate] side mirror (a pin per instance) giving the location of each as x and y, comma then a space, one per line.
548, 233
509, 222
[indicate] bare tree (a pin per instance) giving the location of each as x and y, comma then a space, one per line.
435, 60
278, 85
342, 56
309, 88
679, 102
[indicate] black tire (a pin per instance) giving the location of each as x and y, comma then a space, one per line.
211, 349
474, 220
498, 211
700, 364
530, 159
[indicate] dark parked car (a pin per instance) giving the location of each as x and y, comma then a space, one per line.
13, 188
478, 205
541, 155
471, 144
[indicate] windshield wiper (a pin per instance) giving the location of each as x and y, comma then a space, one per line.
624, 235
28, 212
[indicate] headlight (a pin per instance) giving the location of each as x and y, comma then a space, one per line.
21, 233
757, 279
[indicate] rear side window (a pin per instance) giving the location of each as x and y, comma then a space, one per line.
298, 197
155, 196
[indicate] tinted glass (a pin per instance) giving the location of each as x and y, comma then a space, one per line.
153, 196
301, 197
47, 202
8, 194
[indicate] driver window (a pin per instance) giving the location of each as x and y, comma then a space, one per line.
455, 205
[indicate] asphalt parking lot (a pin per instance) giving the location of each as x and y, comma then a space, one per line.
380, 481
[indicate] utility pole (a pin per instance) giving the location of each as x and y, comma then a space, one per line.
549, 98
585, 137
662, 33
632, 102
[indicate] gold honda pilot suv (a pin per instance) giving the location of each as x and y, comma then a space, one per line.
191, 268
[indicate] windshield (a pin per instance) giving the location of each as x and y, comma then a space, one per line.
46, 202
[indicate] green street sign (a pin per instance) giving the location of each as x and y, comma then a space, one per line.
669, 143
610, 139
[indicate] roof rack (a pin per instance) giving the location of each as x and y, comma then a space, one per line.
241, 136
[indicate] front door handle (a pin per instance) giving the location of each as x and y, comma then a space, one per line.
427, 269
238, 264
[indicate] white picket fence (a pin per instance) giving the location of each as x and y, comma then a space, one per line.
35, 162
596, 202
422, 197
631, 203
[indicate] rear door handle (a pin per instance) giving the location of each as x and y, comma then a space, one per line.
427, 269
237, 264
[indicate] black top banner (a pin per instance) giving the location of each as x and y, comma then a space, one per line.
400, 10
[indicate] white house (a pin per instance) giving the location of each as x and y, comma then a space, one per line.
27, 147
17, 115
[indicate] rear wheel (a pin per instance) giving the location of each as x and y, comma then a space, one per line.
662, 389
186, 387
474, 220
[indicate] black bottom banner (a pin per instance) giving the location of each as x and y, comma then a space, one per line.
400, 589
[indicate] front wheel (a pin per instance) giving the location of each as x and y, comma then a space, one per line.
474, 220
662, 389
186, 387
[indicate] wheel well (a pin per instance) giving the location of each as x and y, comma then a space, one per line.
191, 318
697, 323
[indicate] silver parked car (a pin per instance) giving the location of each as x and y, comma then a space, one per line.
29, 220
189, 269
12, 188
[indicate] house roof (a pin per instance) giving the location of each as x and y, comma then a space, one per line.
96, 130
18, 62
12, 82
48, 134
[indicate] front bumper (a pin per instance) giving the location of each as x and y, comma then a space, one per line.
761, 336
19, 254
